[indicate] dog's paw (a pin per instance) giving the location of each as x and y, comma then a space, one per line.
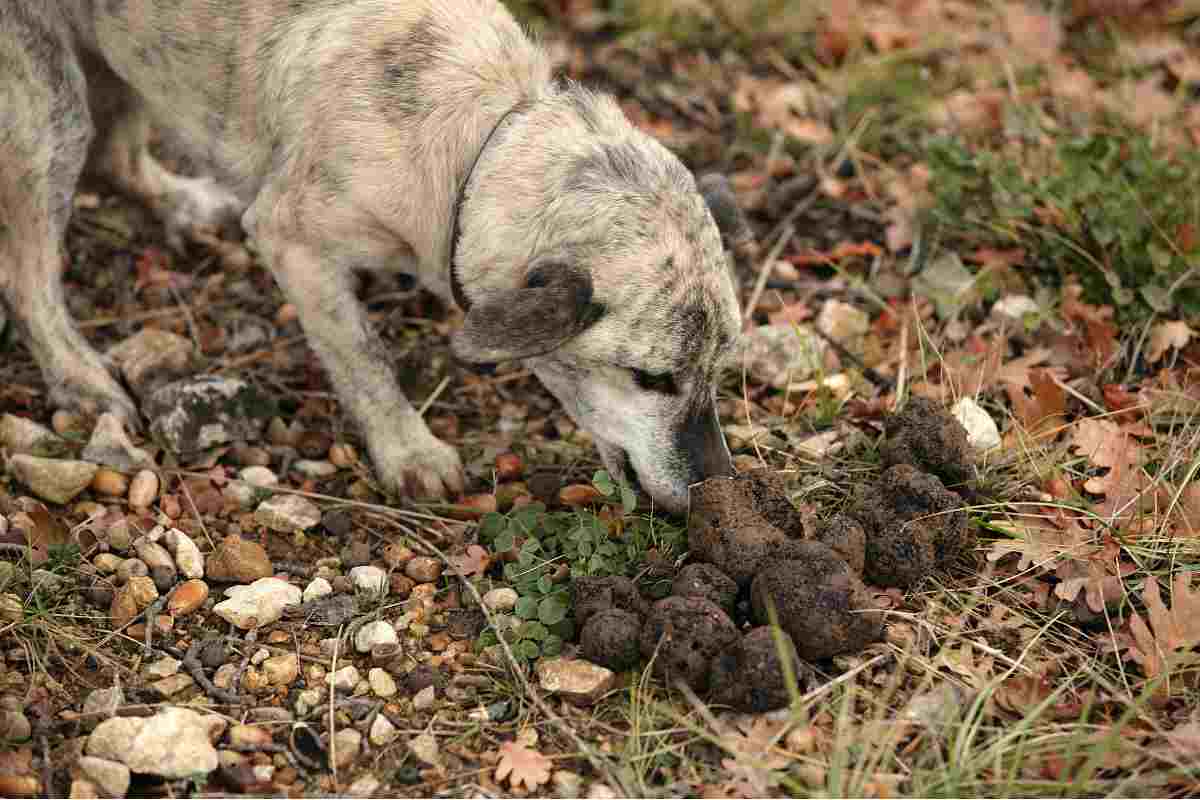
91, 391
200, 209
428, 469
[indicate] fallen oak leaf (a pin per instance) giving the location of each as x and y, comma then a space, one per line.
520, 764
473, 562
1170, 630
1167, 335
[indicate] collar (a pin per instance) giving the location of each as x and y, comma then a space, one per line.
456, 287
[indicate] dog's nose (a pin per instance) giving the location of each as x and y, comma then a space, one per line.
701, 440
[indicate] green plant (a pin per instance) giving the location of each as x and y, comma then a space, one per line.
611, 541
1107, 208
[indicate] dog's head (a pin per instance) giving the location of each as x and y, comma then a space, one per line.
624, 304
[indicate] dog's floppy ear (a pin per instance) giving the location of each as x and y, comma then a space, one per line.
718, 195
553, 306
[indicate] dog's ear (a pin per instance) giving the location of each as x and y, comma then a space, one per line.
553, 306
718, 195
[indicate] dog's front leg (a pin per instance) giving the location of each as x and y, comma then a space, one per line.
408, 459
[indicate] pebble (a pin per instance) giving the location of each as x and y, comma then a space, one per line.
423, 569
162, 668
424, 699
577, 681
502, 598
314, 469
111, 777
226, 676
169, 687
107, 563
307, 700
199, 413
156, 557
187, 597
174, 743
53, 479
252, 737
345, 747
381, 682
566, 784
287, 513
780, 354
397, 555
111, 446
143, 489
345, 679
110, 483
364, 786
103, 701
131, 599
281, 670
342, 455
19, 435
238, 560
369, 579
317, 588
151, 358
258, 476
383, 732
187, 555
256, 605
374, 633
131, 568
278, 432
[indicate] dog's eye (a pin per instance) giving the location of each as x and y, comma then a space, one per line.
662, 384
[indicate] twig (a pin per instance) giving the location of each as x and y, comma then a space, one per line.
191, 661
441, 387
764, 270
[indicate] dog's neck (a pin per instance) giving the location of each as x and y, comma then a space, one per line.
456, 286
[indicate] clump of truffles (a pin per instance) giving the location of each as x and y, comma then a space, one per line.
705, 580
751, 676
914, 524
611, 638
926, 436
846, 537
819, 601
683, 635
740, 524
593, 595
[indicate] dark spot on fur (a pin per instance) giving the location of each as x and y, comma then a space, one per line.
404, 59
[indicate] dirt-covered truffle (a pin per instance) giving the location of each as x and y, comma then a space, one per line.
687, 633
927, 436
750, 676
593, 595
705, 580
611, 639
846, 537
740, 524
819, 601
914, 525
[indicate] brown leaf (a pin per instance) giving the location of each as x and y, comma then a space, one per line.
1167, 335
473, 562
1041, 405
522, 765
1170, 629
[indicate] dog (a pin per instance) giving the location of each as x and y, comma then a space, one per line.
419, 136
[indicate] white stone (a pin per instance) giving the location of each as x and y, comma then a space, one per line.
54, 479
982, 432
381, 682
345, 747
345, 679
317, 587
502, 598
164, 667
174, 743
258, 604
287, 513
374, 633
20, 435
383, 732
110, 445
310, 468
258, 476
187, 555
112, 777
1016, 307
424, 699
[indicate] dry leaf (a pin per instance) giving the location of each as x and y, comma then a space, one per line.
473, 562
1170, 629
1164, 336
522, 765
1035, 34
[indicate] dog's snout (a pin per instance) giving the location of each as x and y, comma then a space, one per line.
703, 445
